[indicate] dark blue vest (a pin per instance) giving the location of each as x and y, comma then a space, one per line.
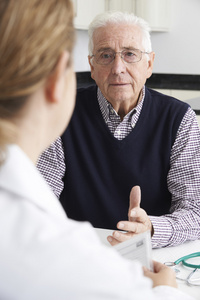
101, 170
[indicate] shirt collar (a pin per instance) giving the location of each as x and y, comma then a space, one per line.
106, 106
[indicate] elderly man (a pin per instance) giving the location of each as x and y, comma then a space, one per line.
124, 135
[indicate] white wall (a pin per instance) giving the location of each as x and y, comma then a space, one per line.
177, 51
81, 51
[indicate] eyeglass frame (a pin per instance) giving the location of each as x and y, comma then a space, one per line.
122, 57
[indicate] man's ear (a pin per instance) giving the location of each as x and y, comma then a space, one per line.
150, 64
91, 66
55, 82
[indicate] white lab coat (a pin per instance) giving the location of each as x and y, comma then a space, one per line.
46, 256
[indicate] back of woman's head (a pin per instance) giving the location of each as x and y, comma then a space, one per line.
33, 34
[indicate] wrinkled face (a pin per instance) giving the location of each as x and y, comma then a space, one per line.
120, 81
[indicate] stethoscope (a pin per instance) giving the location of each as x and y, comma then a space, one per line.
183, 260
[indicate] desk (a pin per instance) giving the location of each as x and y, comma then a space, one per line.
166, 254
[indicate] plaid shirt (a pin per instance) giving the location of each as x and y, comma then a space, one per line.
183, 222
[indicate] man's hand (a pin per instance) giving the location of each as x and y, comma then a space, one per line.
138, 220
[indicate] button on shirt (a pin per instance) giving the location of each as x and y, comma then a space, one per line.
183, 222
120, 129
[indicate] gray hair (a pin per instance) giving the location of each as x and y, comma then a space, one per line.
118, 17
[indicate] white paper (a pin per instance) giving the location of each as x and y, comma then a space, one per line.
137, 248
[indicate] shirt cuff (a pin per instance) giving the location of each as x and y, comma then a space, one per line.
163, 232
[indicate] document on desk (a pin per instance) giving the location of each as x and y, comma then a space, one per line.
138, 248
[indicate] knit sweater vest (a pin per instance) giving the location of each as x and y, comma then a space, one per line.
101, 170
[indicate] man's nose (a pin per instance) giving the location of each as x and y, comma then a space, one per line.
118, 65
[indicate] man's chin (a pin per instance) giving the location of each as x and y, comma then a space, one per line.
120, 95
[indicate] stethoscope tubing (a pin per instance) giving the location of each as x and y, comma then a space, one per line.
186, 257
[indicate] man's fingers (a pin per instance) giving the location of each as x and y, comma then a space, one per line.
135, 198
138, 215
138, 221
119, 237
131, 227
112, 240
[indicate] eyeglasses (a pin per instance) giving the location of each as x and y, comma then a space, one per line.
129, 56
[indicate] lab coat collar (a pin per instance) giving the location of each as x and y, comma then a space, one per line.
19, 176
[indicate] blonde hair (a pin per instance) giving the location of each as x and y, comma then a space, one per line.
33, 34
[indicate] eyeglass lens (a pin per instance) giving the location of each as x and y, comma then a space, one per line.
107, 56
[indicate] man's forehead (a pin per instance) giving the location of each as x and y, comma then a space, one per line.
115, 35
118, 27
